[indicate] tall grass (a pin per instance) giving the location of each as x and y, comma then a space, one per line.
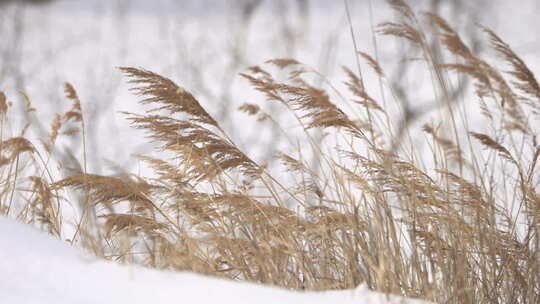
457, 225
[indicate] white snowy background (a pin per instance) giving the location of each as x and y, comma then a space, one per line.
203, 45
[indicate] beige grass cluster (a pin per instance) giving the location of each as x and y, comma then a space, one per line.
372, 214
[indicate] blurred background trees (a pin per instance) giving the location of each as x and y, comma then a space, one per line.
203, 45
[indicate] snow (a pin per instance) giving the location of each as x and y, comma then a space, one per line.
36, 268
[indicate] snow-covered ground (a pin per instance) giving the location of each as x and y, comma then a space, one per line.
35, 268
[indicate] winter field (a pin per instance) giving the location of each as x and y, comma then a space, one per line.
312, 151
39, 269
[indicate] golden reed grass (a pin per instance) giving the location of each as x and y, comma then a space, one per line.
465, 231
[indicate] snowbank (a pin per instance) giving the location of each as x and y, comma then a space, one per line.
35, 268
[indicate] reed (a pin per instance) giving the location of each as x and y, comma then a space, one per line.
457, 225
